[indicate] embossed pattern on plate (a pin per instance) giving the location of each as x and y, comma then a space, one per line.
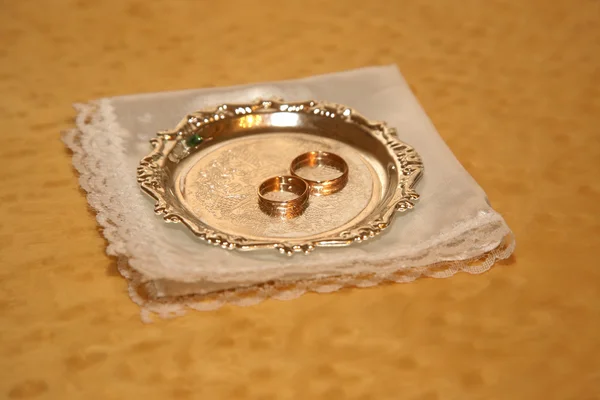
205, 174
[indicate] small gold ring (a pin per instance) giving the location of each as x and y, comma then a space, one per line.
314, 159
288, 208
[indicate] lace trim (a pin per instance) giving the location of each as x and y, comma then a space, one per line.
169, 307
92, 117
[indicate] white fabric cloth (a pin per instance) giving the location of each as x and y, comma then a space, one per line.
452, 221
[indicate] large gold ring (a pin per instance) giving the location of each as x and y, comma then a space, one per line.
314, 159
288, 208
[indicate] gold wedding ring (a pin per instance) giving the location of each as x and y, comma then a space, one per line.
283, 208
314, 159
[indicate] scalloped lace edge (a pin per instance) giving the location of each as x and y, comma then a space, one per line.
169, 307
88, 115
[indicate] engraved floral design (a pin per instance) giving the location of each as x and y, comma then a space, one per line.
176, 144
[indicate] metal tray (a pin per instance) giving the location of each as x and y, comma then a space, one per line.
206, 171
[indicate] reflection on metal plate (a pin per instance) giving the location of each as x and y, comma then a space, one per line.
205, 173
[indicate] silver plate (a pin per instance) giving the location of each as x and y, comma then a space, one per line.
206, 171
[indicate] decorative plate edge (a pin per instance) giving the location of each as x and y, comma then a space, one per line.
149, 177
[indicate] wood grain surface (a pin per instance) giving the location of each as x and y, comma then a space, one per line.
512, 86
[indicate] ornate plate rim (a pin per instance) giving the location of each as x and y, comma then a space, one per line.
407, 159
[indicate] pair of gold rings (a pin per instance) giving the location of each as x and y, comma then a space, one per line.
302, 187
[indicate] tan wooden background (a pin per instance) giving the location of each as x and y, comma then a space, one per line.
512, 86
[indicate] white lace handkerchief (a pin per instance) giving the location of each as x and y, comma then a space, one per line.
453, 228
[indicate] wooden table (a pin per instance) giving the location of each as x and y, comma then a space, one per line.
514, 89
